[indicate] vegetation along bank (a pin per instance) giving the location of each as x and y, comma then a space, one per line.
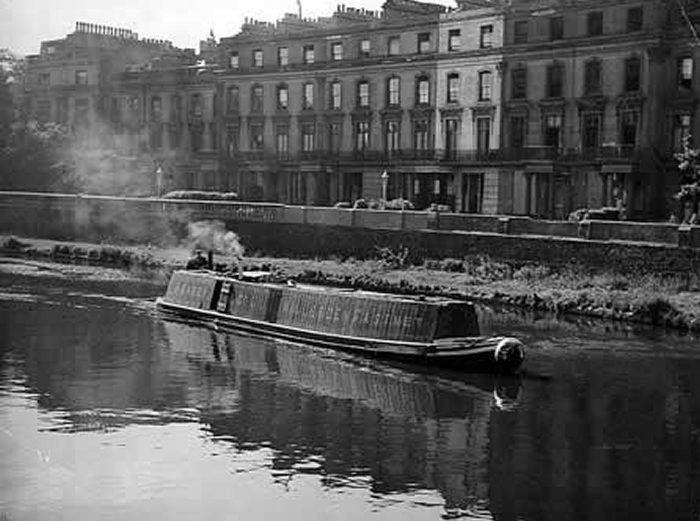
668, 300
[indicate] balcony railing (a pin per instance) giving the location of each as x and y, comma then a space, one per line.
445, 156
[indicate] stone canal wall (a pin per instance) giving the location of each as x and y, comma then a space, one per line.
276, 229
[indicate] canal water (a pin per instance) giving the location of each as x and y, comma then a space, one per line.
109, 412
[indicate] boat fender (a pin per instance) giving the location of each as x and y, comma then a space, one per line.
509, 352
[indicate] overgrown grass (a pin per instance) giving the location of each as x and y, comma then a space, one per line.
671, 299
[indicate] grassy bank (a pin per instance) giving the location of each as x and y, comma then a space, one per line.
660, 299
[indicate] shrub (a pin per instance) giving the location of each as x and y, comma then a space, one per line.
200, 195
399, 204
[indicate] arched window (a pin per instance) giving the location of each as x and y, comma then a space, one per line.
393, 91
363, 100
282, 97
422, 90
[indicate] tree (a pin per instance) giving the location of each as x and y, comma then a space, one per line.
689, 191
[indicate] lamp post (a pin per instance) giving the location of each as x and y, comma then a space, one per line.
385, 182
159, 181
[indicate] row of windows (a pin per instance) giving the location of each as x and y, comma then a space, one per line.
363, 101
335, 95
592, 85
424, 45
593, 78
591, 127
44, 78
308, 141
594, 25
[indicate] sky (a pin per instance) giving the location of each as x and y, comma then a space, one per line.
25, 23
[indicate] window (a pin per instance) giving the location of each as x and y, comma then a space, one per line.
62, 111
556, 28
633, 69
592, 78
484, 85
363, 94
422, 91
334, 137
337, 51
214, 137
257, 137
393, 98
44, 78
594, 23
175, 107
685, 72
134, 103
196, 106
309, 54
392, 136
451, 132
423, 43
282, 141
521, 31
81, 77
486, 36
555, 81
517, 132
232, 140
282, 97
473, 192
336, 96
365, 48
452, 87
308, 99
552, 130
258, 58
82, 111
175, 136
483, 134
421, 135
43, 111
232, 100
196, 138
362, 135
681, 130
215, 105
518, 83
308, 137
394, 46
283, 56
256, 98
156, 108
590, 131
454, 40
233, 60
635, 19
628, 127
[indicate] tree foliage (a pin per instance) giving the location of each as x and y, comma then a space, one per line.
32, 155
689, 190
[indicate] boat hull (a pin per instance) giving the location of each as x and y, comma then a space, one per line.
199, 299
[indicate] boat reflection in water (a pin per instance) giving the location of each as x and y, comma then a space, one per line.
349, 419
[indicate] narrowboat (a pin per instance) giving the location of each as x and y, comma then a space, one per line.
422, 329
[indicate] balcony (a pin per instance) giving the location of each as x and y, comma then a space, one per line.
537, 153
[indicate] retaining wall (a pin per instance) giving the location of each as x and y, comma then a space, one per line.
308, 231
